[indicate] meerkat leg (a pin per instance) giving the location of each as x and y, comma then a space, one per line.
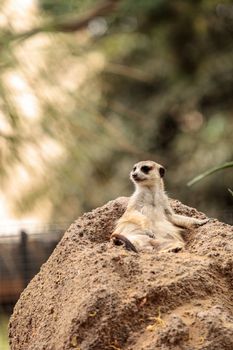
181, 220
172, 246
155, 244
185, 221
120, 239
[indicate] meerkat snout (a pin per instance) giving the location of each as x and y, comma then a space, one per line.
135, 177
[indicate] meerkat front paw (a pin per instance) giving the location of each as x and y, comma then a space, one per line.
198, 223
174, 248
150, 234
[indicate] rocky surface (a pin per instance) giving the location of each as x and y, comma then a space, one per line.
91, 295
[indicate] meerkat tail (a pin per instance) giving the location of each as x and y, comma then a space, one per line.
128, 245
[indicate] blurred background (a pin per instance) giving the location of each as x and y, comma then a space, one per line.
88, 88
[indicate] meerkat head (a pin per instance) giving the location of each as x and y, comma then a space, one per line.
147, 173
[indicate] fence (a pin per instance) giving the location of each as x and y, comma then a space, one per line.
21, 256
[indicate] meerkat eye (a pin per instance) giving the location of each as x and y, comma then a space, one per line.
145, 169
134, 168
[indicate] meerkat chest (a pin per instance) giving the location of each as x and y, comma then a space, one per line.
144, 211
157, 222
153, 214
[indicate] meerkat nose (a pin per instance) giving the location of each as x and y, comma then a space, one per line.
135, 177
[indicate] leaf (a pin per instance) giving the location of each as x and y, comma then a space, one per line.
209, 172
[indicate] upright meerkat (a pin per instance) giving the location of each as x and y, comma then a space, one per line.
149, 221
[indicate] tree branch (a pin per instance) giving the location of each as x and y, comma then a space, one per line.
72, 24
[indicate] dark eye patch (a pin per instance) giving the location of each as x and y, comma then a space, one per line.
145, 169
134, 168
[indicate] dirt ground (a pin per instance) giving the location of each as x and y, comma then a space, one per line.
91, 295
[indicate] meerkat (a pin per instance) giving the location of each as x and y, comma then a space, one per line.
149, 221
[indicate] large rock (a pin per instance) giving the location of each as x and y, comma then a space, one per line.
93, 295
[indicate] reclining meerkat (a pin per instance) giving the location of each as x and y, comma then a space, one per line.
149, 221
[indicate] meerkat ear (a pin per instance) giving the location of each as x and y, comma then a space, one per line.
161, 171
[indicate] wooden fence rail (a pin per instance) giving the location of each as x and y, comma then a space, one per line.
21, 256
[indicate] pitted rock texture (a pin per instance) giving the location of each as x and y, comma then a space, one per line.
91, 295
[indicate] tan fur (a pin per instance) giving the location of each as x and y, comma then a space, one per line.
149, 221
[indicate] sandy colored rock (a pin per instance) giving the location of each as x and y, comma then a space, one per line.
91, 295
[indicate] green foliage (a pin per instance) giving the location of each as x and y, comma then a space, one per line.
3, 332
61, 7
209, 172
